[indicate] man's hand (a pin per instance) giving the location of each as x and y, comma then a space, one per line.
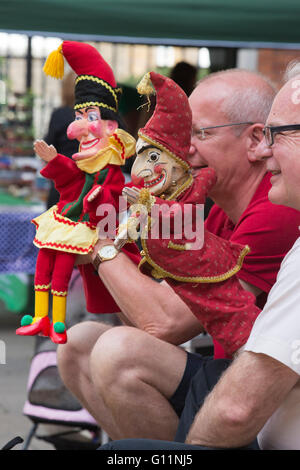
44, 151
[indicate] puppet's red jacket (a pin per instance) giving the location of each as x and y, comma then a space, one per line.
73, 216
203, 276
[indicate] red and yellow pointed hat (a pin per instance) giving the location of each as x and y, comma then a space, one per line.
95, 84
170, 126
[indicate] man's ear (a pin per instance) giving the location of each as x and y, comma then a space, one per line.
255, 135
111, 126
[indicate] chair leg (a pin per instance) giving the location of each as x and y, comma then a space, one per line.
30, 436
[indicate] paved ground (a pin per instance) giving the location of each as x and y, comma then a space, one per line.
13, 380
14, 374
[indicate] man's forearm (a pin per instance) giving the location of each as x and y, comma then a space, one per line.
151, 306
247, 394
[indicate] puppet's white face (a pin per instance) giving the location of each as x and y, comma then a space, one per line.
91, 131
158, 169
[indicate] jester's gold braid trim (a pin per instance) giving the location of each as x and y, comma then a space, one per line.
101, 82
181, 189
42, 287
177, 246
143, 260
146, 199
59, 294
160, 273
94, 103
185, 165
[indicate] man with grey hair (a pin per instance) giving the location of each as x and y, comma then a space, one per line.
134, 379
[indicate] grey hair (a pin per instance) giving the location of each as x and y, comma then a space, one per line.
251, 99
248, 105
292, 70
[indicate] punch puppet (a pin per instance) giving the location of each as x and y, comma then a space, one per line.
199, 266
92, 177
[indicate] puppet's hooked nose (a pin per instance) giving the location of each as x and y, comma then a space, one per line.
77, 129
143, 173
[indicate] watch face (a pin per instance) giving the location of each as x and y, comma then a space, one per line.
108, 251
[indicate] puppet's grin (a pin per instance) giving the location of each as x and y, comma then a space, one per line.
89, 144
149, 184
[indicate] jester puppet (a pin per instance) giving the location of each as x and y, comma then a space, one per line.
202, 274
91, 178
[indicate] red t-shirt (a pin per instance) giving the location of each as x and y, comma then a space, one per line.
270, 230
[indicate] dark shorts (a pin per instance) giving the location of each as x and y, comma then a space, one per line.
200, 376
201, 385
193, 364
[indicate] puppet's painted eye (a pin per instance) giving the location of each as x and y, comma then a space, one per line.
153, 156
78, 117
92, 117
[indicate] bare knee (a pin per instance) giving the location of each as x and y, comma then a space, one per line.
81, 339
117, 357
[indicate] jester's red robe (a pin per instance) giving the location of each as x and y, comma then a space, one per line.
204, 277
69, 228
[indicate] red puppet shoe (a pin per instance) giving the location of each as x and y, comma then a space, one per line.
58, 333
30, 328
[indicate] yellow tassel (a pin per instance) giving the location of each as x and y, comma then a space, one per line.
54, 65
144, 87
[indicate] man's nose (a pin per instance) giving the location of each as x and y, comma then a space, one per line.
263, 150
192, 149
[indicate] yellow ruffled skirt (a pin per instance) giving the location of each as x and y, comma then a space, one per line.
57, 232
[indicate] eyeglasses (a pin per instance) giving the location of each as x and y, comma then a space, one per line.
270, 131
202, 130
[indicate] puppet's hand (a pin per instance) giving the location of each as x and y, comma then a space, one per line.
90, 200
44, 151
132, 194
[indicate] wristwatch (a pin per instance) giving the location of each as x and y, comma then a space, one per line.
105, 253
